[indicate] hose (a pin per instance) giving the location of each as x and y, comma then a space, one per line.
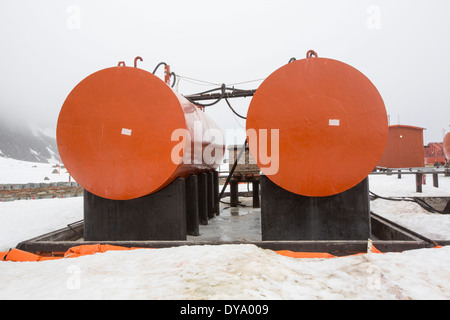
420, 202
223, 88
174, 79
229, 105
159, 65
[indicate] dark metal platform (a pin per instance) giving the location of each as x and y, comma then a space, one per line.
387, 236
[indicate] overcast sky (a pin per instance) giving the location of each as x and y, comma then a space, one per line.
403, 47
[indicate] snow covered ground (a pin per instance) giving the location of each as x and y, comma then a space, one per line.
229, 272
226, 271
412, 216
21, 172
26, 219
391, 186
409, 214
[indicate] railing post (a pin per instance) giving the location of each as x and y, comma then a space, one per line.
419, 179
435, 180
234, 198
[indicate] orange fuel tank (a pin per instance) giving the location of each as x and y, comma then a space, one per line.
447, 146
331, 124
123, 133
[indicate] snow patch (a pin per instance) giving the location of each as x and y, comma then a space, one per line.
225, 271
15, 171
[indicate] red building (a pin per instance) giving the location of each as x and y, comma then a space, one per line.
404, 147
434, 153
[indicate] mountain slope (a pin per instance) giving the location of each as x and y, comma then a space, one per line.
27, 143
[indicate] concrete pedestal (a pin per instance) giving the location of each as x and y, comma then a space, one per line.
159, 216
288, 216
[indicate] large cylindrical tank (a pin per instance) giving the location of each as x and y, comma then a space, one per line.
331, 124
447, 146
123, 133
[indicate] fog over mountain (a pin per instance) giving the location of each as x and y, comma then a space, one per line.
27, 142
48, 47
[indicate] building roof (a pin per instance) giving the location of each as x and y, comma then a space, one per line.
406, 126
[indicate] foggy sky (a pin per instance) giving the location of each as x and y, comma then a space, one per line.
403, 47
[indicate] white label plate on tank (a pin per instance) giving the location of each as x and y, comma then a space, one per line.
126, 132
334, 122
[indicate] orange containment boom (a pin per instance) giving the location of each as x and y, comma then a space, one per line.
16, 255
447, 146
123, 133
317, 127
